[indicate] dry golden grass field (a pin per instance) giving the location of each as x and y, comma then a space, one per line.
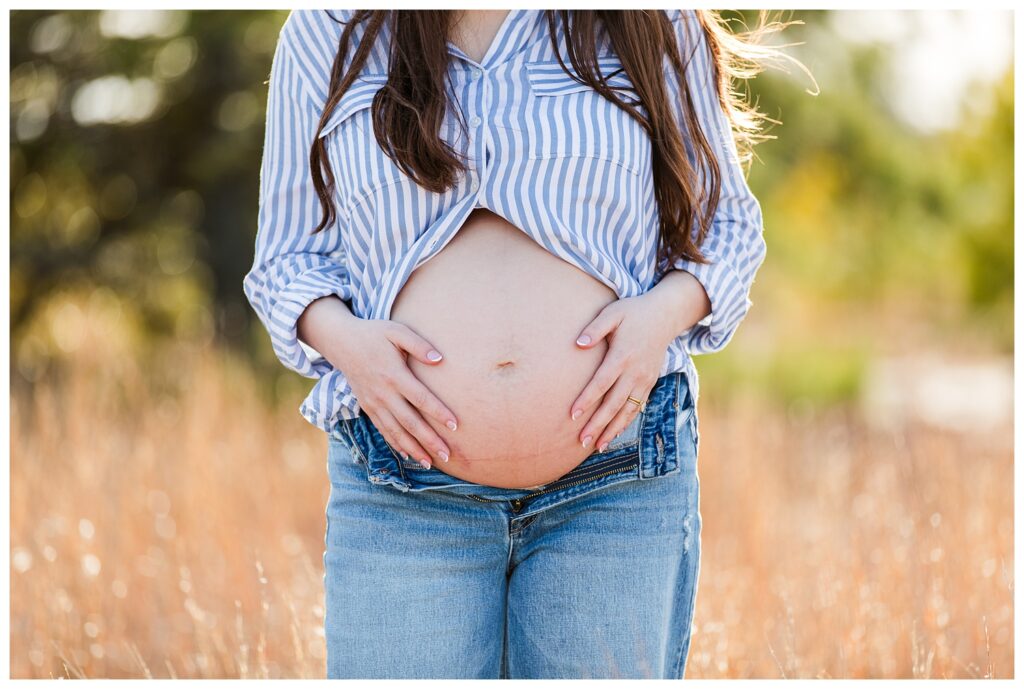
180, 534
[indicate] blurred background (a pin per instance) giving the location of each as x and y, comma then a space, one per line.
167, 500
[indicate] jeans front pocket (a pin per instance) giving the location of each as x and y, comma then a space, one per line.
343, 441
628, 437
345, 462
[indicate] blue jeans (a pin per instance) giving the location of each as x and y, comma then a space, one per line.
591, 576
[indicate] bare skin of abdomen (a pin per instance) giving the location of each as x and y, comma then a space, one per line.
506, 313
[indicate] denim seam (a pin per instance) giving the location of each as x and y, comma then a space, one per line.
354, 445
692, 571
523, 523
631, 445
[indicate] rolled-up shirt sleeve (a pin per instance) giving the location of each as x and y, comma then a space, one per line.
735, 242
292, 267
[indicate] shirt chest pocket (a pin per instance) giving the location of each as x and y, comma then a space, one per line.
361, 167
568, 119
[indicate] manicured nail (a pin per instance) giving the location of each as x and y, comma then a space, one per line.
584, 340
586, 441
601, 449
443, 455
576, 414
452, 425
434, 355
425, 463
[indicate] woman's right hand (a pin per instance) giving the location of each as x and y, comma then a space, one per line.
373, 355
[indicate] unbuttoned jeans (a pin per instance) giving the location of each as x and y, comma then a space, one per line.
593, 575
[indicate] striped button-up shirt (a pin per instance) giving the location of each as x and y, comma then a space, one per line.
545, 152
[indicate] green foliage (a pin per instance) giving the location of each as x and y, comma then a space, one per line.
808, 375
136, 142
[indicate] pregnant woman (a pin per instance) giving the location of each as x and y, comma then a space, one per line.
495, 239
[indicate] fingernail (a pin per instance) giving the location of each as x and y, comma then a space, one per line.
603, 447
584, 340
452, 425
586, 441
404, 455
434, 355
443, 455
425, 463
576, 414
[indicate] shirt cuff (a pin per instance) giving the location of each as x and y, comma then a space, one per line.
291, 302
729, 303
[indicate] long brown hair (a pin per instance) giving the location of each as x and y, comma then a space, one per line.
409, 109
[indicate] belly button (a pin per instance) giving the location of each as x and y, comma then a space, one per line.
506, 364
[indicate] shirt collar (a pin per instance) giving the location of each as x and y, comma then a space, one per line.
516, 32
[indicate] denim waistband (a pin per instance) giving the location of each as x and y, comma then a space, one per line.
645, 449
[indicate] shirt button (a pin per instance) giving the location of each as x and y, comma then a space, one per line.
476, 74
475, 185
475, 121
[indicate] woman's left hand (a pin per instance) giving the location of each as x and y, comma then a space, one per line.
638, 334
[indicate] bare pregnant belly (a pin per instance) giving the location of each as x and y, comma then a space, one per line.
506, 313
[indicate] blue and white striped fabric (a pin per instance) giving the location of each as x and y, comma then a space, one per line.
547, 153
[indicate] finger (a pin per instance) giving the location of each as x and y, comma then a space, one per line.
397, 437
613, 402
599, 328
620, 422
605, 376
421, 397
403, 337
414, 424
